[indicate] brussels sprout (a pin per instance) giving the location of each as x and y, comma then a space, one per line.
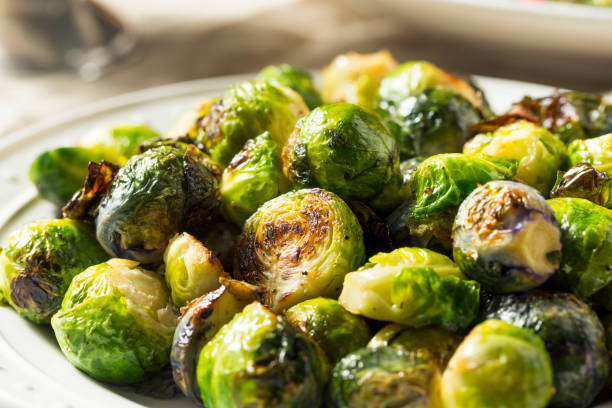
294, 78
505, 236
245, 111
498, 365
414, 287
432, 344
539, 152
344, 149
376, 236
116, 322
586, 231
597, 152
331, 326
155, 195
383, 377
200, 321
354, 77
259, 360
584, 181
253, 177
299, 246
572, 334
569, 115
39, 261
191, 269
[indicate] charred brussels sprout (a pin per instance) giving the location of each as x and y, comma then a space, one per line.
584, 181
539, 152
414, 287
331, 326
156, 194
191, 269
39, 261
294, 78
354, 77
498, 365
253, 177
259, 360
572, 334
116, 322
597, 152
383, 377
344, 149
299, 246
505, 236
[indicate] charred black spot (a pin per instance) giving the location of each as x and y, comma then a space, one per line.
31, 291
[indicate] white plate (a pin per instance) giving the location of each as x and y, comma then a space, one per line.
33, 371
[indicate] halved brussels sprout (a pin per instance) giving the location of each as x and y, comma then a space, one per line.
294, 78
414, 287
116, 322
572, 334
253, 177
191, 269
498, 365
158, 193
259, 360
354, 77
384, 377
331, 326
505, 236
344, 149
596, 151
39, 261
299, 246
584, 181
539, 152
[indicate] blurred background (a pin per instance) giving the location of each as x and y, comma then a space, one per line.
56, 55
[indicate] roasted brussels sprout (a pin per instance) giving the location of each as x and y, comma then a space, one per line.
596, 151
505, 236
39, 261
259, 360
253, 177
294, 78
158, 193
572, 334
344, 149
383, 377
584, 181
539, 152
354, 77
414, 287
116, 322
191, 269
299, 246
331, 326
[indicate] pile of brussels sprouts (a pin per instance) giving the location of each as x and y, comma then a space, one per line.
386, 242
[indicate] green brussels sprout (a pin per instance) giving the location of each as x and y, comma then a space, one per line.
505, 236
344, 149
539, 152
39, 261
383, 377
259, 360
596, 151
200, 321
354, 77
584, 181
498, 365
294, 78
299, 246
156, 194
244, 111
116, 322
586, 232
573, 335
191, 269
412, 286
569, 115
253, 177
331, 326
